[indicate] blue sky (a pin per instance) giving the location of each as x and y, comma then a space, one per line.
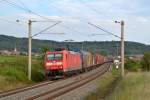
75, 14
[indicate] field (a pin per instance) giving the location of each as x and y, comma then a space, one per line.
13, 71
135, 86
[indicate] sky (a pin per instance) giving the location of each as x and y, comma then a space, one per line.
75, 16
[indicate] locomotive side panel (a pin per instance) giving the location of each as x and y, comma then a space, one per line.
73, 61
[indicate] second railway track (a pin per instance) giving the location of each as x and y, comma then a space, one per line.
21, 89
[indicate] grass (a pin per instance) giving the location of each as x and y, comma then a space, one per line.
104, 84
135, 86
13, 72
8, 58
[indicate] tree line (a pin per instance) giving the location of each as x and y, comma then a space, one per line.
102, 47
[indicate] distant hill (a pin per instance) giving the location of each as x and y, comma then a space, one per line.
103, 47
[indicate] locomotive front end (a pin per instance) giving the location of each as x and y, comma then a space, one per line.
54, 64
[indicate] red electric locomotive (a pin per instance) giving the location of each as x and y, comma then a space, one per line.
60, 63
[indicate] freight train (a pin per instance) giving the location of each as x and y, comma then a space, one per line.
62, 63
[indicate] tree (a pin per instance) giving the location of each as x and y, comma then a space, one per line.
131, 65
44, 49
146, 61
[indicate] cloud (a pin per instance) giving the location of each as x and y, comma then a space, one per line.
75, 15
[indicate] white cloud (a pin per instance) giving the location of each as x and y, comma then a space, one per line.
75, 15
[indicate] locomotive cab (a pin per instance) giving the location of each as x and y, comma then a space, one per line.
54, 63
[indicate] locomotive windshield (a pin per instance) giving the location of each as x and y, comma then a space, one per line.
54, 56
58, 56
50, 57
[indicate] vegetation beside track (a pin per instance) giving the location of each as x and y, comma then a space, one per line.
13, 72
105, 85
135, 86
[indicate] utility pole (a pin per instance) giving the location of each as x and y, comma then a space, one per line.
122, 48
30, 42
29, 48
117, 50
82, 44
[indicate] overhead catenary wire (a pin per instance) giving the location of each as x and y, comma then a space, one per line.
9, 21
65, 26
109, 33
23, 4
28, 10
84, 3
15, 22
98, 34
60, 10
46, 29
104, 30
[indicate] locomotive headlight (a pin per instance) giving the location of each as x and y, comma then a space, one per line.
61, 67
49, 64
58, 63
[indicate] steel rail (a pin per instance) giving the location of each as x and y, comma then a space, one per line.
34, 86
69, 87
22, 89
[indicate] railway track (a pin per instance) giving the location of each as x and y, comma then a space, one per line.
21, 89
50, 90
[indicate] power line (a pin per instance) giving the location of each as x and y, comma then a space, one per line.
11, 22
46, 29
22, 3
84, 3
15, 5
97, 34
28, 10
104, 30
60, 10
90, 24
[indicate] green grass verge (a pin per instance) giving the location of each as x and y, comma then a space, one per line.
13, 72
104, 84
135, 86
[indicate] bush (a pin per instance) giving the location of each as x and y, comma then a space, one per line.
146, 62
37, 71
131, 65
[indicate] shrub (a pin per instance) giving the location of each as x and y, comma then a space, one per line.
146, 62
37, 71
131, 65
